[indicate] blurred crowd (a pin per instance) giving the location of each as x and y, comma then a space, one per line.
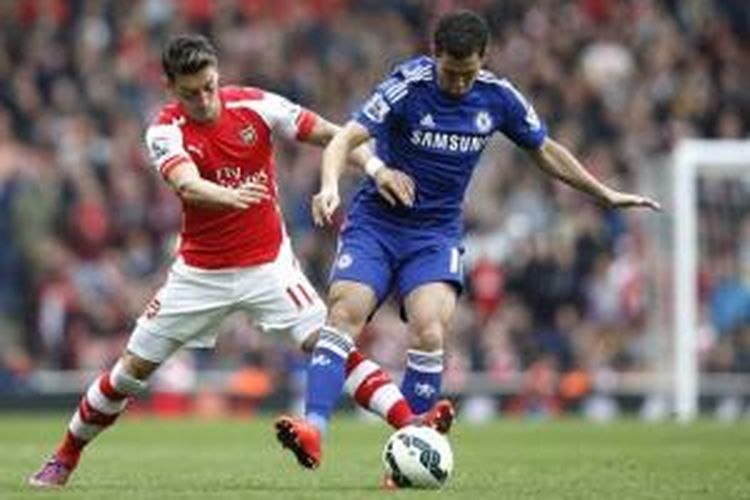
558, 289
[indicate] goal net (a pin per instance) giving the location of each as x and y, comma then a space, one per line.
704, 293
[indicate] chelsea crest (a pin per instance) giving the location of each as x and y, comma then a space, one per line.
483, 122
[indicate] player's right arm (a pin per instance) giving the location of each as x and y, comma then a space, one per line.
347, 139
393, 185
186, 181
164, 143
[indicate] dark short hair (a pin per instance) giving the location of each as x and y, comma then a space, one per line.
461, 34
186, 55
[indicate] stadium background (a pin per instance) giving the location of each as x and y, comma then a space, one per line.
561, 293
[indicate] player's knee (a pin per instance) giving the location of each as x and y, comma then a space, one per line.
344, 315
134, 367
430, 336
308, 344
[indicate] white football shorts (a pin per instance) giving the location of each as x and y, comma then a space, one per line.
191, 304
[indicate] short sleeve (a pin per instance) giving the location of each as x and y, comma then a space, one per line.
286, 117
165, 148
381, 105
521, 123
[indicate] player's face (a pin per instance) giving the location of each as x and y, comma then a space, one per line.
198, 93
456, 76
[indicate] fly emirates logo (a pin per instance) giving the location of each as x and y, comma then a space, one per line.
232, 177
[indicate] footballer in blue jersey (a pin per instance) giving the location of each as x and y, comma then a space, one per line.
431, 119
436, 139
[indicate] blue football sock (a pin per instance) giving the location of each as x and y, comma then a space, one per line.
422, 379
326, 373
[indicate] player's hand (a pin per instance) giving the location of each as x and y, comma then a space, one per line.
627, 200
248, 194
395, 186
324, 204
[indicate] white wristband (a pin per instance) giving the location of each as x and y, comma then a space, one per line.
373, 165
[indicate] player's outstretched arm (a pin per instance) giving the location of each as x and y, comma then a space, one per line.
344, 141
555, 160
394, 185
324, 131
324, 204
193, 189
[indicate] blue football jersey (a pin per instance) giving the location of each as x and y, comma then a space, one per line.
437, 139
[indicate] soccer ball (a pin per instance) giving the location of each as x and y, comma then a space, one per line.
418, 457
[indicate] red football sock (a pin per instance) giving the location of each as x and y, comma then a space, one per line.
69, 451
98, 409
372, 388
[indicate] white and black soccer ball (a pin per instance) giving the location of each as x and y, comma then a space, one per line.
418, 457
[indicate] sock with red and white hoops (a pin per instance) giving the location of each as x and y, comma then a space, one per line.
103, 402
372, 388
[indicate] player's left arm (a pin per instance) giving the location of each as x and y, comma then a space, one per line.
323, 131
298, 123
555, 160
351, 142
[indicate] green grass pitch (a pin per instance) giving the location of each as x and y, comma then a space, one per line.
507, 459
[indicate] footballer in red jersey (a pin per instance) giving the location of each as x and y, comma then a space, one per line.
234, 150
214, 146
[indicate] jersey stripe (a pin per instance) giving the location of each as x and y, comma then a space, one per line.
243, 103
395, 89
489, 77
423, 73
294, 297
307, 296
399, 96
170, 164
455, 260
305, 124
398, 91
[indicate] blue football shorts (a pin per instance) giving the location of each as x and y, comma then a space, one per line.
396, 259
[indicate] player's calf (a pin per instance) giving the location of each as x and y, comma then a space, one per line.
372, 389
99, 408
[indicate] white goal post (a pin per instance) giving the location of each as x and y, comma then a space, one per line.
691, 159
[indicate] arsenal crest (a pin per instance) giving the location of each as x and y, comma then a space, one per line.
248, 135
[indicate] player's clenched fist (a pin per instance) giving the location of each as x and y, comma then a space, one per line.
395, 186
324, 204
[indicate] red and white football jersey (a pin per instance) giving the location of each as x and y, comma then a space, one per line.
234, 149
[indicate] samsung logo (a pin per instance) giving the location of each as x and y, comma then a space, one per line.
448, 142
